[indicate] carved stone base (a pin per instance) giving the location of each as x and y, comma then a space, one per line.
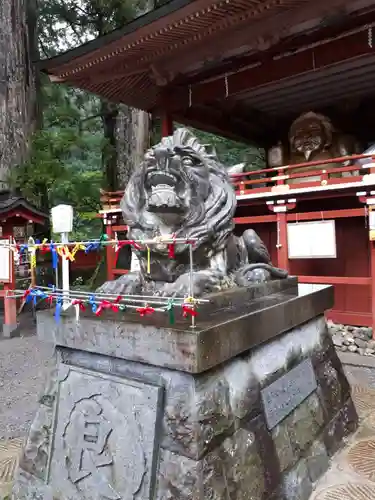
262, 425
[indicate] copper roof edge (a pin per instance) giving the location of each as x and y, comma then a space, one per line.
113, 36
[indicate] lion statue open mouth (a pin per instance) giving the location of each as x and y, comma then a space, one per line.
181, 189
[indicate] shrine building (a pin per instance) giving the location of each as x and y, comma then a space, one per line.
294, 77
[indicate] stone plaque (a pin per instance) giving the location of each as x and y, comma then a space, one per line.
286, 393
104, 442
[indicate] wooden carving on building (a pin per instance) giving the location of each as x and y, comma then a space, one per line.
312, 137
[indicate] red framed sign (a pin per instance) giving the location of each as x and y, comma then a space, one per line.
6, 261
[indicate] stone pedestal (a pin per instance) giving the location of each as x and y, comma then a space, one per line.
251, 404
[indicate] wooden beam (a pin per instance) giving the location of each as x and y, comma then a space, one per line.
152, 24
350, 318
205, 35
256, 219
248, 114
218, 122
312, 59
250, 34
167, 69
260, 219
335, 280
217, 67
326, 214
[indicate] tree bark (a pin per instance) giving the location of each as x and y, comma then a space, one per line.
17, 84
132, 140
109, 113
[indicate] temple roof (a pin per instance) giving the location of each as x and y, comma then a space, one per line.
240, 68
11, 202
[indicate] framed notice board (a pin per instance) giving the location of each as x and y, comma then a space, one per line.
312, 240
6, 261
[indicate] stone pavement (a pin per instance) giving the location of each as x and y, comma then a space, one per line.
352, 473
9, 454
350, 477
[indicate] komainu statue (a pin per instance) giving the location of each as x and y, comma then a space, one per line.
312, 137
181, 189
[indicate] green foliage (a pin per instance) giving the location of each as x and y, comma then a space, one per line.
65, 160
231, 153
70, 152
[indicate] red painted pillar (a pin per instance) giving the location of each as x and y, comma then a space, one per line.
281, 208
166, 125
282, 247
372, 266
10, 305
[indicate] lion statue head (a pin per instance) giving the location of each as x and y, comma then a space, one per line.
182, 189
310, 133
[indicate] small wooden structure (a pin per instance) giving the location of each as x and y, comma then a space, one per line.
245, 70
18, 220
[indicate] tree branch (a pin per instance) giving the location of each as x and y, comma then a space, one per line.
82, 120
43, 48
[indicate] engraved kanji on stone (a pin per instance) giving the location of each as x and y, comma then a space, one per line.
87, 454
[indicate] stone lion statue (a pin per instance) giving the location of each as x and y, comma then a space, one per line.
312, 137
181, 189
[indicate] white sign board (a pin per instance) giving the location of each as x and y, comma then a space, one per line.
6, 264
62, 219
134, 265
312, 240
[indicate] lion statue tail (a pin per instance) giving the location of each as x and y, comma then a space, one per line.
258, 273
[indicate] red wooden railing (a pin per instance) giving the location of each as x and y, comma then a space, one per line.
245, 183
274, 180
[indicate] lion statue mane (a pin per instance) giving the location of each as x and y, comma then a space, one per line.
181, 189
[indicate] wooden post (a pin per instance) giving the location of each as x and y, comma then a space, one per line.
166, 126
10, 305
282, 247
111, 252
281, 209
372, 267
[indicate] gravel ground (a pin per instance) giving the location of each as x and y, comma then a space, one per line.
24, 363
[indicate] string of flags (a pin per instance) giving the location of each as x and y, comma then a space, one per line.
69, 250
98, 303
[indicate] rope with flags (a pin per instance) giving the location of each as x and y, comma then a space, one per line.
98, 303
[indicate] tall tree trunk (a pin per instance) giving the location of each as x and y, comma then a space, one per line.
109, 113
141, 134
133, 131
132, 140
17, 87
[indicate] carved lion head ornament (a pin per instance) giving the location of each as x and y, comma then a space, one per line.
310, 133
180, 188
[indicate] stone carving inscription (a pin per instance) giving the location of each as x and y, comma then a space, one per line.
86, 447
104, 444
284, 395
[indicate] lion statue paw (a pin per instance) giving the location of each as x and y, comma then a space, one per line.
202, 282
126, 285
